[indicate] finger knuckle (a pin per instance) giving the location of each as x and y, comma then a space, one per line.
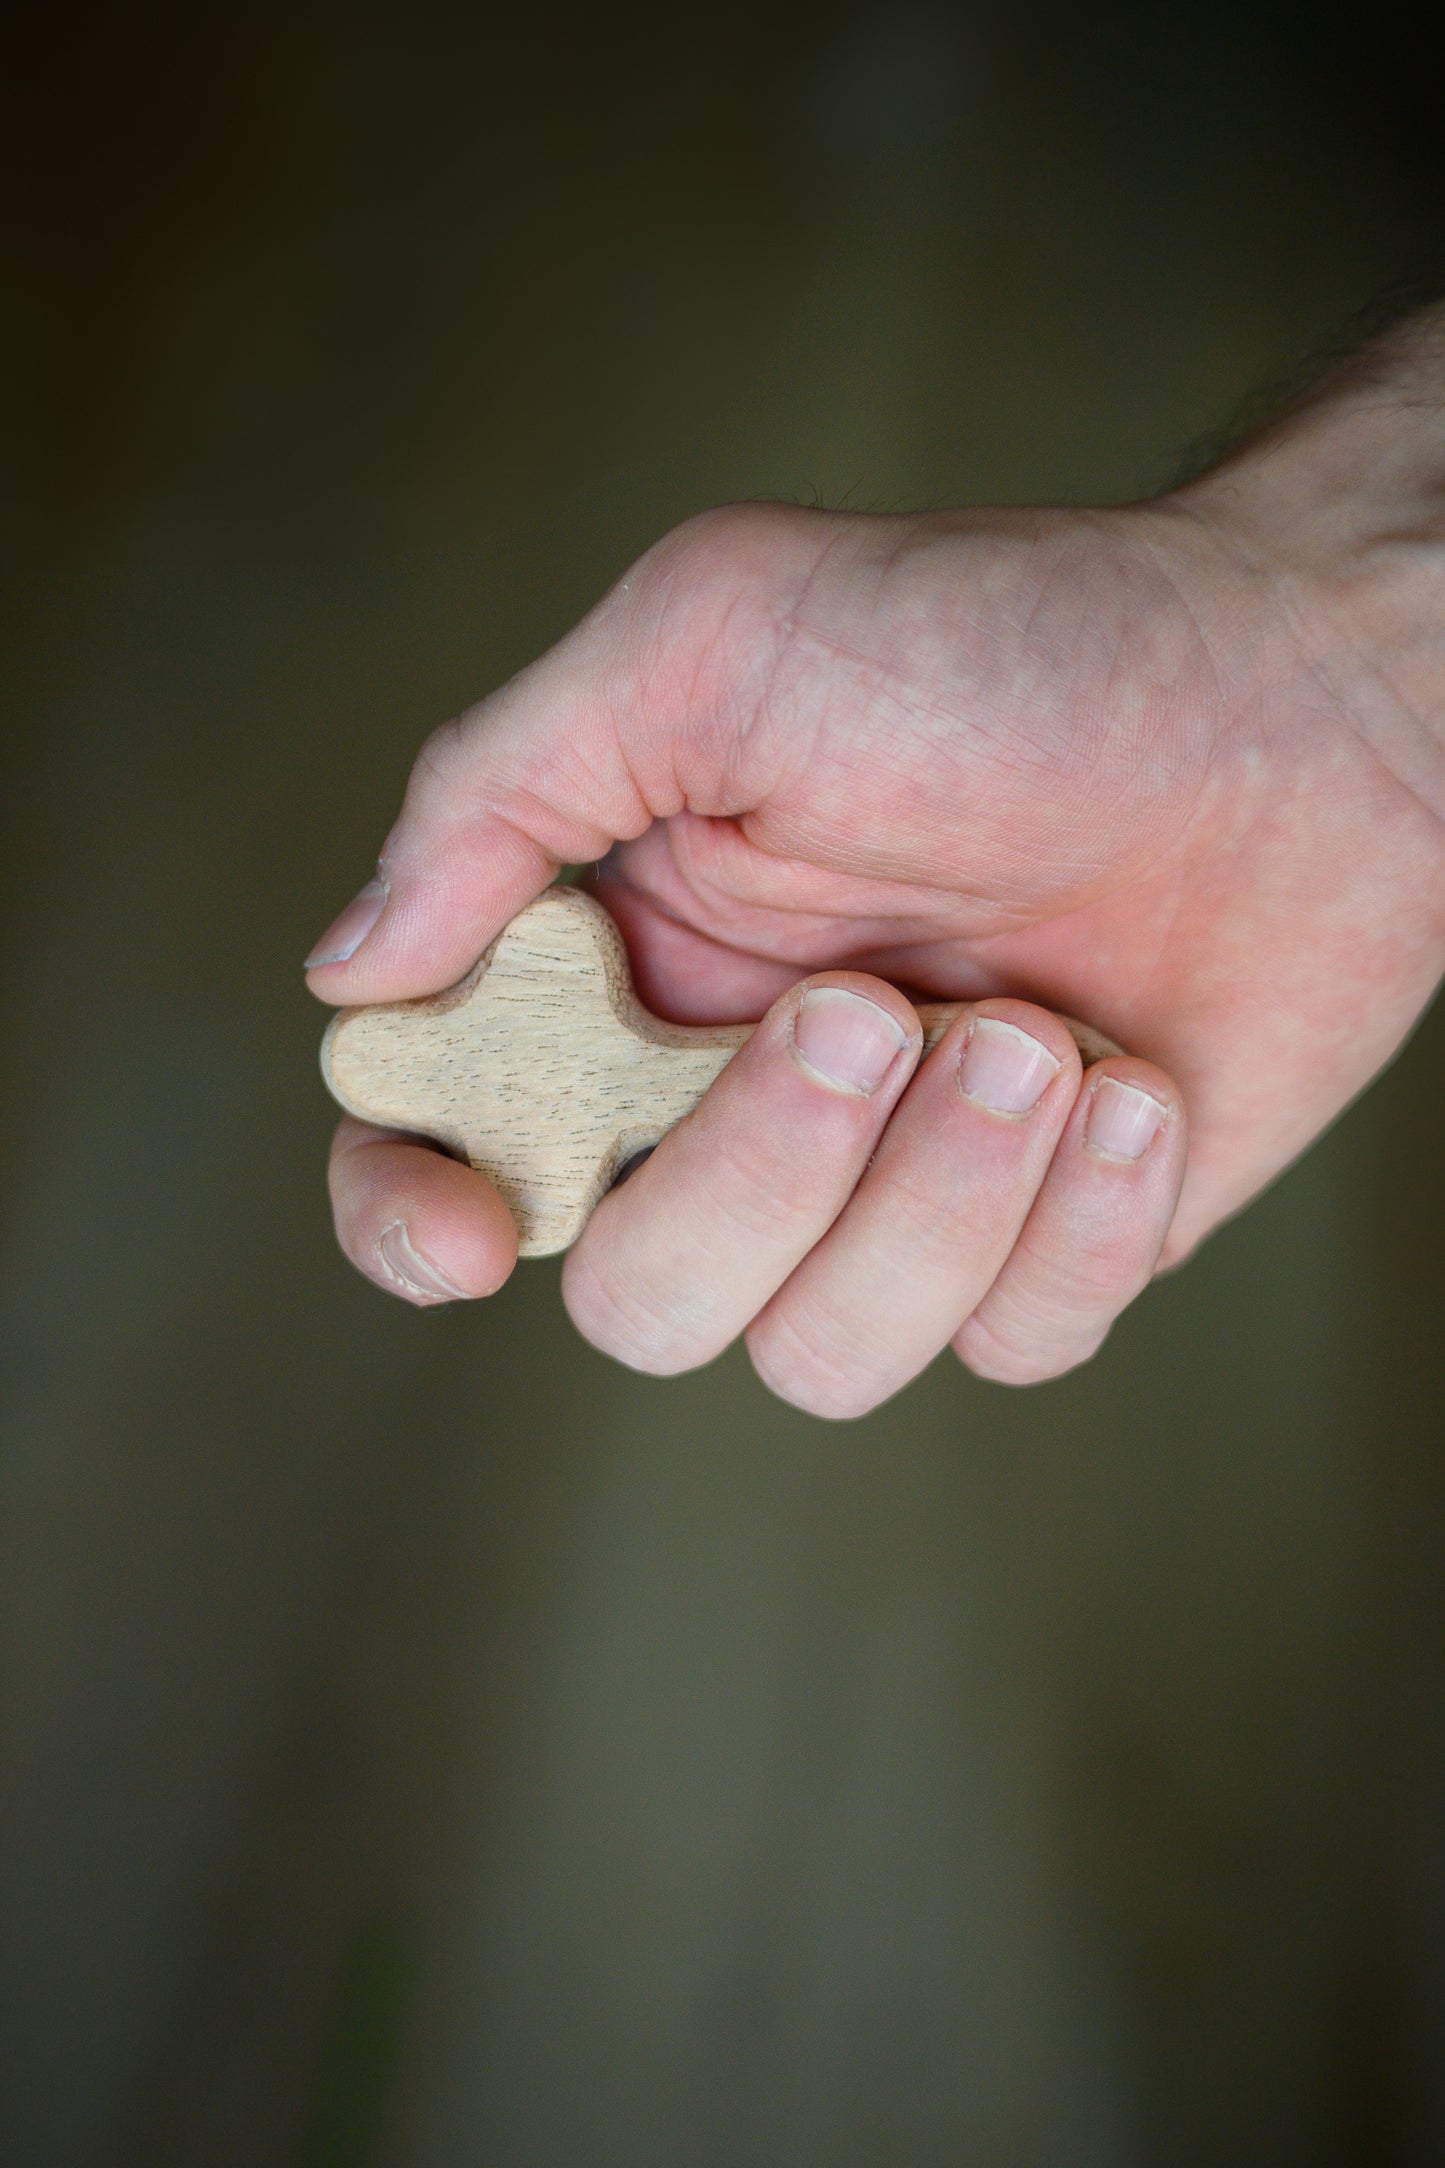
1065, 1277
726, 541
440, 756
628, 1319
715, 588
813, 1395
1006, 1356
751, 1194
1177, 1251
808, 1376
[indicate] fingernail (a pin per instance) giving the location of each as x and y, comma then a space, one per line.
402, 1262
1122, 1121
344, 936
846, 1039
1005, 1069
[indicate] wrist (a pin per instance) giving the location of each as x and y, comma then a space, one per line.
1338, 508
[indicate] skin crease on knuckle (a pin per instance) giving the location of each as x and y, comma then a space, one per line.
1064, 1298
640, 1302
621, 1314
743, 1194
668, 1304
693, 598
1029, 1362
1051, 1310
805, 1371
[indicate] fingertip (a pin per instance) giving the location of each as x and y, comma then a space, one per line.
1028, 1018
416, 1223
1131, 1113
850, 1032
1032, 1359
398, 939
1010, 1057
350, 928
426, 917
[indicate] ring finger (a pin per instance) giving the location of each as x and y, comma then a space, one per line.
1092, 1241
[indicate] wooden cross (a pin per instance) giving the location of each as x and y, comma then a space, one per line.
542, 1068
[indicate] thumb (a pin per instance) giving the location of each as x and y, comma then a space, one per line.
634, 715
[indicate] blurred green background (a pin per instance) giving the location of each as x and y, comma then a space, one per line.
426, 1744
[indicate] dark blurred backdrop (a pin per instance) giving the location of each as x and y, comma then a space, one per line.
425, 1744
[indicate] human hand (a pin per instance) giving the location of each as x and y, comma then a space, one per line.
1175, 768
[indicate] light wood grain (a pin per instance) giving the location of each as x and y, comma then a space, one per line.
541, 1067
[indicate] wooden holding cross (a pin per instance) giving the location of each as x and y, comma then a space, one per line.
542, 1069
